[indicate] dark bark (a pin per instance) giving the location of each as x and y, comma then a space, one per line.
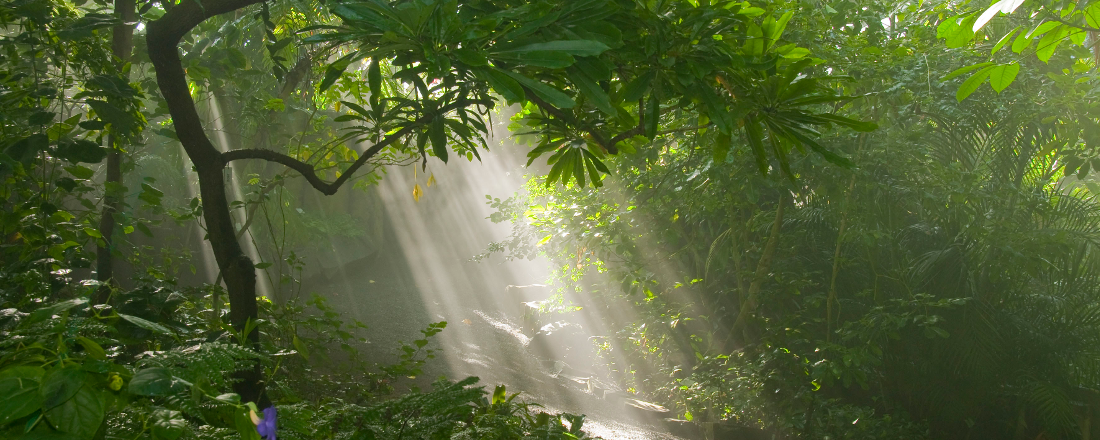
238, 271
122, 47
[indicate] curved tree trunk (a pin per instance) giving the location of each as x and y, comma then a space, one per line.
237, 269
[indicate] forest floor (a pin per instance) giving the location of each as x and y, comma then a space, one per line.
491, 344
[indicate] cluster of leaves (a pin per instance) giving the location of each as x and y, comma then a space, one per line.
906, 296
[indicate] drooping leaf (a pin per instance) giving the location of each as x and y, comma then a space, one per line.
335, 70
145, 324
1001, 76
552, 96
971, 84
437, 133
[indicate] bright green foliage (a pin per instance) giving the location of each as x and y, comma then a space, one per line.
594, 76
1041, 27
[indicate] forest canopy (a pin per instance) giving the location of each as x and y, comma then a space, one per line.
824, 224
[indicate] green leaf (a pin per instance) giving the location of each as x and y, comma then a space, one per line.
120, 120
27, 148
554, 97
581, 48
334, 70
41, 118
542, 58
155, 382
470, 57
652, 116
503, 84
636, 88
244, 425
962, 70
92, 348
168, 425
499, 395
1004, 40
21, 398
721, 148
145, 324
437, 133
303, 350
591, 90
81, 415
1001, 76
263, 265
971, 84
80, 150
1021, 42
1044, 50
374, 79
55, 309
61, 384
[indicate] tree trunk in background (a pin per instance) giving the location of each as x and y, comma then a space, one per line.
122, 47
238, 271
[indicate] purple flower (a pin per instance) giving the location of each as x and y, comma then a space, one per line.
266, 427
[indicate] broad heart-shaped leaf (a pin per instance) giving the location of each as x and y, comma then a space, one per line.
61, 384
79, 416
971, 84
27, 148
581, 48
554, 97
156, 382
20, 398
1001, 76
120, 121
80, 151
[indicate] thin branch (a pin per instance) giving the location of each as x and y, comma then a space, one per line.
310, 173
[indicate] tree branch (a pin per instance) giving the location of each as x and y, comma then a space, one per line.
307, 171
329, 188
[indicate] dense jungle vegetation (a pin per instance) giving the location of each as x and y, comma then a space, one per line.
828, 219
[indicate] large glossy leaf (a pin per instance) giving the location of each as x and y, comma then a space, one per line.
20, 398
80, 151
155, 382
81, 415
61, 384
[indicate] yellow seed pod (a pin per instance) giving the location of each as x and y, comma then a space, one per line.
417, 192
114, 382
